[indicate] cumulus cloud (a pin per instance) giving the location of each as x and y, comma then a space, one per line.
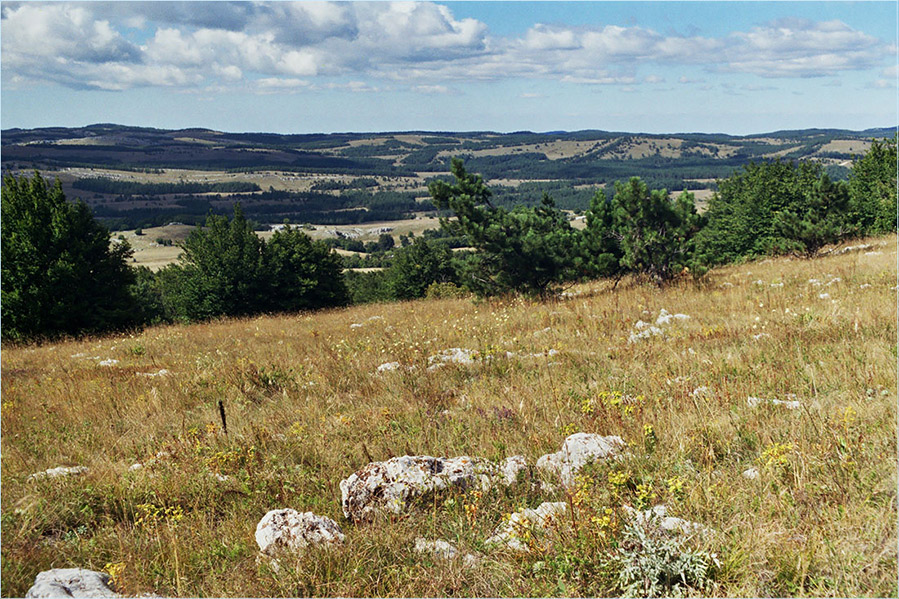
421, 44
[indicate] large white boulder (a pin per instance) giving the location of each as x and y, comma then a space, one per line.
71, 582
518, 531
392, 485
577, 451
288, 529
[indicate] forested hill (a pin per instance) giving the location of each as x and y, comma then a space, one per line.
597, 156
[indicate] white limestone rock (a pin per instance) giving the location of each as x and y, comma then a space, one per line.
71, 582
658, 517
751, 473
454, 355
754, 402
518, 532
288, 529
57, 472
445, 550
392, 485
510, 467
577, 451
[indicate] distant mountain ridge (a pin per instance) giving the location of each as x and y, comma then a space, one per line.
589, 154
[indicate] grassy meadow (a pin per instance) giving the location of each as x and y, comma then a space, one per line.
306, 408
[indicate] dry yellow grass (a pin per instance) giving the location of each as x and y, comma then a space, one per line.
306, 407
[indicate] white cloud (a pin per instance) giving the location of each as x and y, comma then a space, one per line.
422, 44
272, 83
440, 90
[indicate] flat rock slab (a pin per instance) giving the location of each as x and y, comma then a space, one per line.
71, 582
577, 451
290, 530
390, 486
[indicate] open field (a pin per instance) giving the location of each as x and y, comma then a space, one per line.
149, 253
306, 407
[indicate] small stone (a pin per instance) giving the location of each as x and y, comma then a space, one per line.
516, 533
288, 529
445, 550
751, 473
388, 366
658, 516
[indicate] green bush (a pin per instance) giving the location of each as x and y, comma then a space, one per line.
60, 275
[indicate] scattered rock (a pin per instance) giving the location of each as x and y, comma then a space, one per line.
444, 550
666, 318
57, 472
751, 473
109, 362
288, 529
853, 248
162, 372
517, 532
456, 355
392, 485
658, 516
71, 582
388, 366
753, 402
577, 451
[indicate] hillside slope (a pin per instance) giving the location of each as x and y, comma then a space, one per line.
307, 406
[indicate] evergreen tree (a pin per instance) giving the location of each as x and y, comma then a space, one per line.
60, 276
526, 250
220, 272
417, 266
641, 231
741, 214
821, 219
601, 246
872, 189
302, 274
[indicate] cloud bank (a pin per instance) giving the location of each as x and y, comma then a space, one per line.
286, 47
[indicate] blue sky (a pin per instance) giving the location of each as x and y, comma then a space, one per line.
300, 67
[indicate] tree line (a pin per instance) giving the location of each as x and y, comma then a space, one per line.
61, 275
